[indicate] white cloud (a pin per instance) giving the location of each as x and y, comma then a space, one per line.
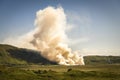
22, 41
78, 41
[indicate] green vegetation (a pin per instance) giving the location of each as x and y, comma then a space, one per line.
5, 57
57, 72
96, 60
10, 55
24, 64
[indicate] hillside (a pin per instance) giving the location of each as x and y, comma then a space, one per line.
13, 55
96, 60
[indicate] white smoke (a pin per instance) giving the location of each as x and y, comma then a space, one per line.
49, 37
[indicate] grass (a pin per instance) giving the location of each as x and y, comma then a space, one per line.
15, 65
13, 55
57, 72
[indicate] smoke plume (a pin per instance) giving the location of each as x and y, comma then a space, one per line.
50, 38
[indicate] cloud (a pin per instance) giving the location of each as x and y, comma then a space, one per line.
95, 51
78, 40
21, 40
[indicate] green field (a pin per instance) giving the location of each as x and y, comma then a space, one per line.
57, 72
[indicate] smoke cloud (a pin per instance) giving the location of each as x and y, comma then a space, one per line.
50, 37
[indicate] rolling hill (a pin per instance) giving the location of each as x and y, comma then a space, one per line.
13, 55
96, 60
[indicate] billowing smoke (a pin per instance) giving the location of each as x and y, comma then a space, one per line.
50, 38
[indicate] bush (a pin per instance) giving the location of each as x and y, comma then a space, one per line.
69, 70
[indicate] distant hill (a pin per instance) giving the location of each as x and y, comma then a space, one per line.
13, 55
96, 60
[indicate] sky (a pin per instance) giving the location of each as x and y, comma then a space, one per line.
95, 24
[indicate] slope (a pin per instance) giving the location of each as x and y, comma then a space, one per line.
13, 55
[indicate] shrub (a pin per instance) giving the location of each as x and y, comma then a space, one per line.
69, 70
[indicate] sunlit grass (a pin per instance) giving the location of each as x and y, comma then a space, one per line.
57, 72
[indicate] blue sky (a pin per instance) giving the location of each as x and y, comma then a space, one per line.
96, 22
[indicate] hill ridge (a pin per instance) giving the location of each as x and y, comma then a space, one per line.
13, 55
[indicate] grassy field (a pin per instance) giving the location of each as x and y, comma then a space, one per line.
57, 72
23, 64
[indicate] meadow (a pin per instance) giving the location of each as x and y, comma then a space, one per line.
59, 72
